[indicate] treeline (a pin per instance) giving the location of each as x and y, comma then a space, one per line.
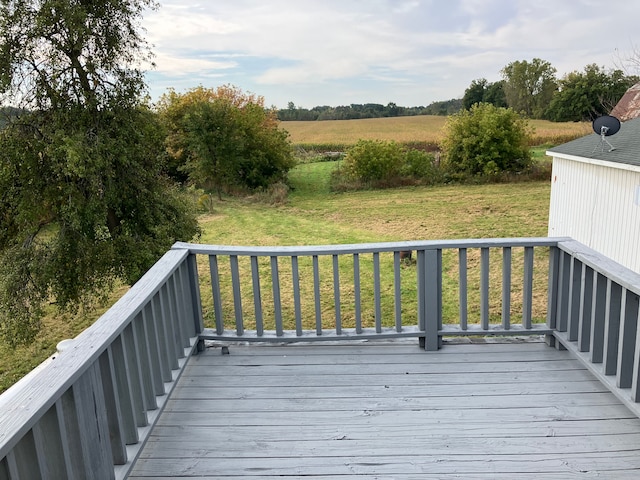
366, 110
531, 88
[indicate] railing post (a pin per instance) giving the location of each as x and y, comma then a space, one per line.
432, 271
553, 293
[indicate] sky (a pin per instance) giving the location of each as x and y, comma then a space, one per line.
410, 52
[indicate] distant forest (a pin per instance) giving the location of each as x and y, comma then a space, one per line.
367, 110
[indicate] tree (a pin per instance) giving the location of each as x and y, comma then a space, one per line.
529, 86
486, 140
83, 203
481, 91
589, 94
475, 93
225, 139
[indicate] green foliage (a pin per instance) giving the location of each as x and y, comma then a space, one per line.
224, 139
589, 94
486, 140
481, 91
83, 203
383, 164
529, 86
373, 160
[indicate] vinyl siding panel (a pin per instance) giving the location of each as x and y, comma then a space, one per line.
597, 205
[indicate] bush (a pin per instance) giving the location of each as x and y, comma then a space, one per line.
375, 163
373, 160
486, 140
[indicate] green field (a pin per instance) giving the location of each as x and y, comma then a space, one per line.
314, 215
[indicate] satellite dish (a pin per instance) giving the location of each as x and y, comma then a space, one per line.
605, 126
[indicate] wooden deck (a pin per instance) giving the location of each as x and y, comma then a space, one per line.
391, 411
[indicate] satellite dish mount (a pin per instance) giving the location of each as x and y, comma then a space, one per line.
605, 126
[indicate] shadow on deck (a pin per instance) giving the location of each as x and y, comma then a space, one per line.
389, 410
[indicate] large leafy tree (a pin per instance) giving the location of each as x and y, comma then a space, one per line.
225, 139
83, 202
588, 94
529, 86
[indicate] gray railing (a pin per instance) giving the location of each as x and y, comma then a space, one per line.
594, 311
87, 411
370, 291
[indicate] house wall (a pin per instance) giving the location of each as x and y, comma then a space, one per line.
598, 204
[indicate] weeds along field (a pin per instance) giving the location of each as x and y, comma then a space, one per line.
424, 131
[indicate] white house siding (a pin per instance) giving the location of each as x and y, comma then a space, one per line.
597, 203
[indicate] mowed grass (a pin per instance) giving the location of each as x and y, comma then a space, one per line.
419, 129
313, 215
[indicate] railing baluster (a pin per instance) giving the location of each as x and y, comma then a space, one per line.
135, 383
237, 295
564, 281
635, 383
316, 295
144, 363
175, 346
463, 292
277, 304
484, 288
93, 431
612, 327
598, 312
154, 347
112, 405
527, 288
179, 311
553, 286
573, 307
336, 294
297, 304
356, 293
169, 360
193, 291
586, 302
377, 296
70, 436
627, 342
128, 405
506, 288
48, 446
22, 460
215, 291
257, 296
397, 283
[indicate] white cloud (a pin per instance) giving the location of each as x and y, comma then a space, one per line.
325, 49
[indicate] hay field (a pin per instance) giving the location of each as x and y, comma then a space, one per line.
423, 129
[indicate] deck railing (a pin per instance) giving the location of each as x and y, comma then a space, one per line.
87, 411
286, 294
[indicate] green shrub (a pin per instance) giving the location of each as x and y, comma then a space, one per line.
486, 140
373, 160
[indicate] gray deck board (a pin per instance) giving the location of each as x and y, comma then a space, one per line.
391, 411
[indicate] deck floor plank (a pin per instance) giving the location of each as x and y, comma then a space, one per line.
383, 411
